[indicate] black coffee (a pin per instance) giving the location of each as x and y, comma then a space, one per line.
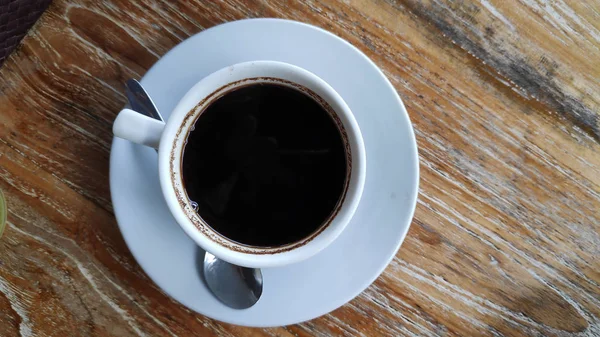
266, 165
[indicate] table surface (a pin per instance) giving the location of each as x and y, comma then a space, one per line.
505, 101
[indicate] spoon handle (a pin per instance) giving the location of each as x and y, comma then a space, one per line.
140, 101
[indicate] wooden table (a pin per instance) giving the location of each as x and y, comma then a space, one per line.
505, 100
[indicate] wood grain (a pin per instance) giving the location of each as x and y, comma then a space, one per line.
505, 100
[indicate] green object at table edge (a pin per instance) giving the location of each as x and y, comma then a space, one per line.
3, 213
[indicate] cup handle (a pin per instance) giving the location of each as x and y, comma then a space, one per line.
140, 129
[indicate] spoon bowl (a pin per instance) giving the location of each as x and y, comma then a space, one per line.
235, 286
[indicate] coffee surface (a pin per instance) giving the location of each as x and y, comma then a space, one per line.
265, 164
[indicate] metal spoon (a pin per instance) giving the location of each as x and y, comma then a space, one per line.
140, 101
235, 286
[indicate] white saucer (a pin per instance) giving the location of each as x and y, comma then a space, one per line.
305, 290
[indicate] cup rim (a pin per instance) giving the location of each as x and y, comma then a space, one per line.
191, 107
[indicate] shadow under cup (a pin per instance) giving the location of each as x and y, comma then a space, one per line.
265, 167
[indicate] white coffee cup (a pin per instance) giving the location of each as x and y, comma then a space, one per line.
170, 137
